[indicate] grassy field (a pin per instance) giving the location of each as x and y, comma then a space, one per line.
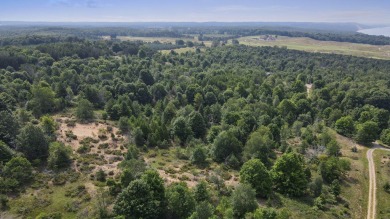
152, 39
310, 45
162, 39
356, 184
49, 200
382, 168
181, 50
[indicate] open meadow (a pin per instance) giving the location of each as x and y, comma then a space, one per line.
311, 45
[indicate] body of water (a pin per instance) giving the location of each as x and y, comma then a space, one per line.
385, 31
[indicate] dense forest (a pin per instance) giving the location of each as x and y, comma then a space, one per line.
233, 106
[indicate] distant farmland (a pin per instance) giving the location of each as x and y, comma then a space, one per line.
310, 45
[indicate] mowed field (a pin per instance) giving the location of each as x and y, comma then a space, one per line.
382, 168
153, 39
310, 45
161, 39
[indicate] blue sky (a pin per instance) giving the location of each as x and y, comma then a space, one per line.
362, 11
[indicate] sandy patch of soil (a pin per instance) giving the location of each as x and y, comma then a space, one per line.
105, 144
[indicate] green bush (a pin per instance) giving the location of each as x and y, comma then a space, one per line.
43, 215
386, 187
256, 174
198, 156
59, 155
100, 176
385, 136
19, 169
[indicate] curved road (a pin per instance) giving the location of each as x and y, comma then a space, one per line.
371, 208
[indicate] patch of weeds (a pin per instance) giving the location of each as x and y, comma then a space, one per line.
41, 201
386, 187
73, 206
184, 178
59, 179
40, 180
70, 122
103, 146
89, 140
69, 134
113, 137
170, 170
72, 176
83, 149
86, 168
92, 159
194, 172
102, 137
117, 153
226, 175
75, 191
152, 154
99, 184
114, 152
181, 154
185, 168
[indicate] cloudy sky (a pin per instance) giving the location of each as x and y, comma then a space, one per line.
362, 11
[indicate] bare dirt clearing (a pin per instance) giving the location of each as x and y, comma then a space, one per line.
97, 144
172, 169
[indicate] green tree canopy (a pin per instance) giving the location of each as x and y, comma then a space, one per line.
181, 203
333, 168
20, 169
59, 155
43, 99
143, 198
224, 145
6, 153
385, 136
345, 126
243, 200
201, 192
197, 124
289, 174
199, 156
367, 132
259, 145
9, 128
256, 174
32, 143
84, 110
181, 129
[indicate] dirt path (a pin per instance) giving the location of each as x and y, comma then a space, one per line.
309, 88
371, 208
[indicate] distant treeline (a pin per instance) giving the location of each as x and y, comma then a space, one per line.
42, 35
235, 32
36, 40
15, 57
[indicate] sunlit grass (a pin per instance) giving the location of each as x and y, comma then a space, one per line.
311, 45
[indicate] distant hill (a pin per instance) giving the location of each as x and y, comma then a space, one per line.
304, 25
